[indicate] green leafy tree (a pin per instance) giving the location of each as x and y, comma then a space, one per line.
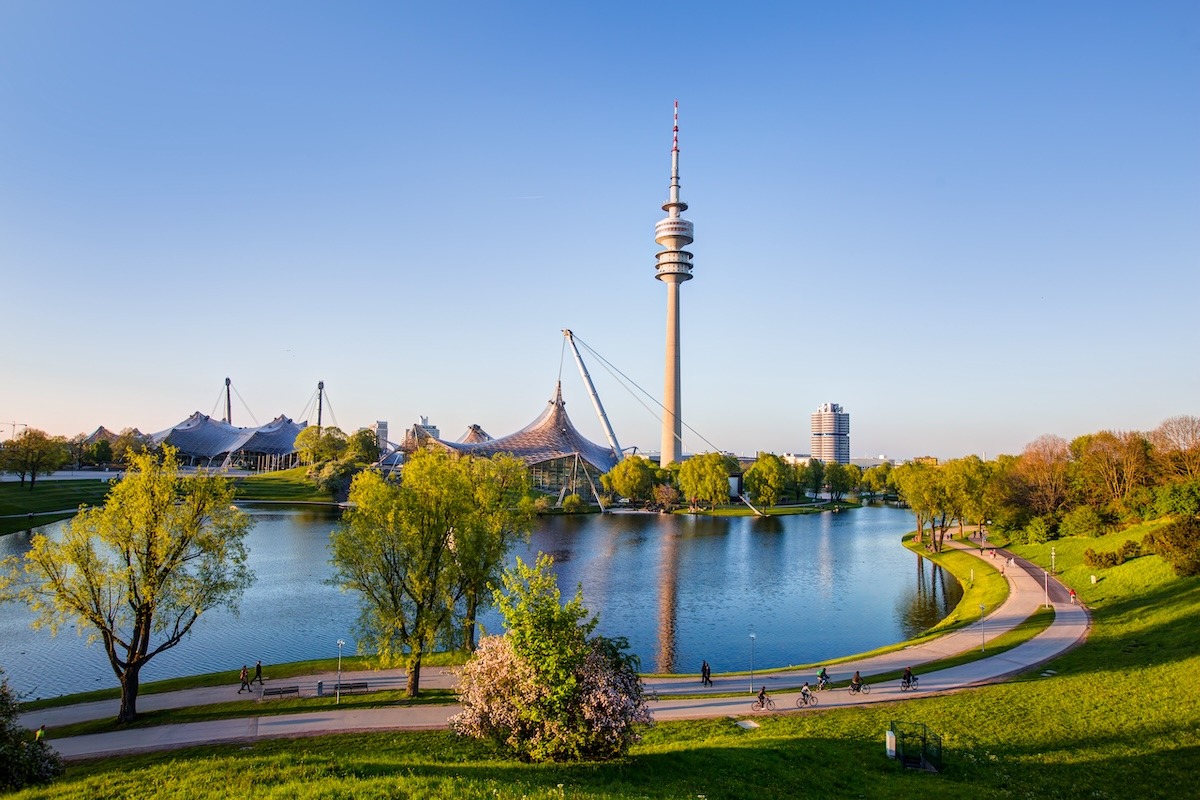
393, 548
1083, 521
501, 513
1181, 498
813, 478
633, 477
705, 479
316, 445
100, 452
422, 549
24, 761
362, 447
768, 479
1178, 542
33, 452
128, 443
840, 479
548, 689
876, 479
137, 572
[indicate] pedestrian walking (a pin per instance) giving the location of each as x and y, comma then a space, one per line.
39, 734
705, 674
244, 677
257, 673
1074, 597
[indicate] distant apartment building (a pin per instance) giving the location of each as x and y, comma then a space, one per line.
831, 434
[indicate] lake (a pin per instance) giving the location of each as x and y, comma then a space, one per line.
680, 588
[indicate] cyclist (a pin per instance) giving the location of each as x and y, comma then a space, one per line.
909, 679
762, 697
805, 692
856, 682
822, 679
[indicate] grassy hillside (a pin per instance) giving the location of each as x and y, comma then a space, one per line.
66, 496
47, 496
286, 484
1118, 718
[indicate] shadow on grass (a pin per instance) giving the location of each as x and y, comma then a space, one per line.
766, 763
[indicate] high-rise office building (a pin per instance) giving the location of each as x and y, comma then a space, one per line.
831, 434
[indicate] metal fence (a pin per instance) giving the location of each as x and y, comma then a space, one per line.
916, 746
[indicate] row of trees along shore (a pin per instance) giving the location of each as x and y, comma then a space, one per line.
703, 479
1086, 487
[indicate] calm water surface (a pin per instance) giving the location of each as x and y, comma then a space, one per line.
681, 589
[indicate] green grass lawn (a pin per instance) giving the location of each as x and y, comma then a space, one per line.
64, 496
1119, 719
286, 484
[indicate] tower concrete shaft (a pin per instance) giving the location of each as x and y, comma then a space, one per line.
674, 266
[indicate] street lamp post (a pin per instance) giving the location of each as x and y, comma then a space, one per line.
752, 637
1052, 570
982, 632
341, 644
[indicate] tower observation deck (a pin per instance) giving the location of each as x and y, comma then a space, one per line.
673, 267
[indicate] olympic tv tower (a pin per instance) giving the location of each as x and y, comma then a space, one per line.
673, 268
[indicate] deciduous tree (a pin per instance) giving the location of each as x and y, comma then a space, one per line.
705, 479
768, 478
548, 689
137, 572
632, 477
33, 452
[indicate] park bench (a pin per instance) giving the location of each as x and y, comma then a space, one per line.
280, 691
359, 686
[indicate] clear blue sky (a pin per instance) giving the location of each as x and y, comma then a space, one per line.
968, 223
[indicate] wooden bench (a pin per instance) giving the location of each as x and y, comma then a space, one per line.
360, 686
280, 691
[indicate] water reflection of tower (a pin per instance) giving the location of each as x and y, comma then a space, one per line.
674, 266
668, 600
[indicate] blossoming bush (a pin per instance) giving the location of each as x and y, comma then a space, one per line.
548, 690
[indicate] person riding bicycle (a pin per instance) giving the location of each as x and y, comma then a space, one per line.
806, 691
822, 679
856, 682
909, 679
762, 697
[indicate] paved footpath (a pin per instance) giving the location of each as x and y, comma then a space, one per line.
1027, 590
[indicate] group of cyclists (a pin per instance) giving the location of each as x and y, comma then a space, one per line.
907, 681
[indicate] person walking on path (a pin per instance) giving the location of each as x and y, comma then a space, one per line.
705, 674
244, 677
39, 734
257, 673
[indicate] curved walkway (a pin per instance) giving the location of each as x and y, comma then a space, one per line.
1027, 591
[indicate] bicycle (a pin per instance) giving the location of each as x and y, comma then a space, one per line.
905, 685
863, 687
806, 699
759, 706
823, 683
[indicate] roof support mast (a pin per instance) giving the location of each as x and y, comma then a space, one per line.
587, 380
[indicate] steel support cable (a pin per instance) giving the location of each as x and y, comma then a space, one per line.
612, 369
245, 406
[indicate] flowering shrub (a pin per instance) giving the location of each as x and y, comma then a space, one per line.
547, 690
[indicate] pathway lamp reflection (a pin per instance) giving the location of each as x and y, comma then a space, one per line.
752, 661
338, 693
982, 633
